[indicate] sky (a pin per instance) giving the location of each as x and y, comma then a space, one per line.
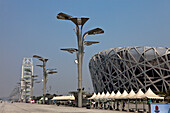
30, 27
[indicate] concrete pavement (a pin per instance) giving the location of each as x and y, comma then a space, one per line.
6, 107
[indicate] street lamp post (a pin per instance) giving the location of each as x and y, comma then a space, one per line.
79, 22
45, 73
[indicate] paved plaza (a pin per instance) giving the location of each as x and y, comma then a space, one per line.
6, 107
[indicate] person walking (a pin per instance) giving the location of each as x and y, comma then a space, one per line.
123, 106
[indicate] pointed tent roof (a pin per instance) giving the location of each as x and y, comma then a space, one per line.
117, 95
45, 98
150, 94
138, 95
97, 96
123, 94
93, 96
107, 95
56, 98
101, 96
131, 94
111, 95
72, 97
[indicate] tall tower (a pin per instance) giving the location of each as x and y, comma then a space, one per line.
26, 79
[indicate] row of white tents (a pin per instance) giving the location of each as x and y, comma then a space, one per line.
132, 95
61, 98
69, 97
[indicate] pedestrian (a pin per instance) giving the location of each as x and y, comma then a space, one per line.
118, 105
108, 105
114, 105
94, 103
123, 105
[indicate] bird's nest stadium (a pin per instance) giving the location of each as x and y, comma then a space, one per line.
127, 68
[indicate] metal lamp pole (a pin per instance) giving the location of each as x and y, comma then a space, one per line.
45, 74
79, 22
32, 84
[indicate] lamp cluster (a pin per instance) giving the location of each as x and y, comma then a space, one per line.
79, 22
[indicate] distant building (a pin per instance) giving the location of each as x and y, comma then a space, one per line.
26, 79
127, 68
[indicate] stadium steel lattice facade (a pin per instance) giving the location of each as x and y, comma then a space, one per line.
127, 68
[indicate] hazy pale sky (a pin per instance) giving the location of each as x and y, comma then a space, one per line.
30, 27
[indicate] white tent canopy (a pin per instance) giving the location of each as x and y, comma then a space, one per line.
130, 95
111, 95
101, 96
123, 95
56, 98
139, 94
117, 95
70, 97
93, 96
106, 96
97, 96
45, 98
152, 95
